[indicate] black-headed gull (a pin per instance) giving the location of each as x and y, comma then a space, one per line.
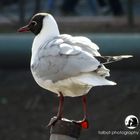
64, 64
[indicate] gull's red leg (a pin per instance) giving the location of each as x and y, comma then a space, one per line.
84, 122
84, 102
60, 110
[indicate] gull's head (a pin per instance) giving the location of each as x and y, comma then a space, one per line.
39, 23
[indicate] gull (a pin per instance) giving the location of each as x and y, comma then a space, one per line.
66, 65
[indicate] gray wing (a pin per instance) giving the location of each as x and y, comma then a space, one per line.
85, 43
58, 60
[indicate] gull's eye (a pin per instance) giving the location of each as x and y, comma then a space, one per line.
33, 23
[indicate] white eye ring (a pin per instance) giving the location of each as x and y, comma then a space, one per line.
34, 23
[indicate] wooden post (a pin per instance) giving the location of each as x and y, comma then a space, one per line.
65, 129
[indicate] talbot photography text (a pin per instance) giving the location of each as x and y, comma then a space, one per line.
102, 132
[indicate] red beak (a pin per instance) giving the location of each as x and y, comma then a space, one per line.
24, 29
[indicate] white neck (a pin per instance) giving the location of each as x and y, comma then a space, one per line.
48, 32
49, 28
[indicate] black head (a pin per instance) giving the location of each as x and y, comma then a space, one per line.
35, 24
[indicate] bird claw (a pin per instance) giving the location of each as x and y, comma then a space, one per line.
83, 123
53, 121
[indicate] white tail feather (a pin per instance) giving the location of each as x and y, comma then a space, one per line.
93, 79
126, 56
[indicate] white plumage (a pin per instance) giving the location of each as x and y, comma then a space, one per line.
63, 63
